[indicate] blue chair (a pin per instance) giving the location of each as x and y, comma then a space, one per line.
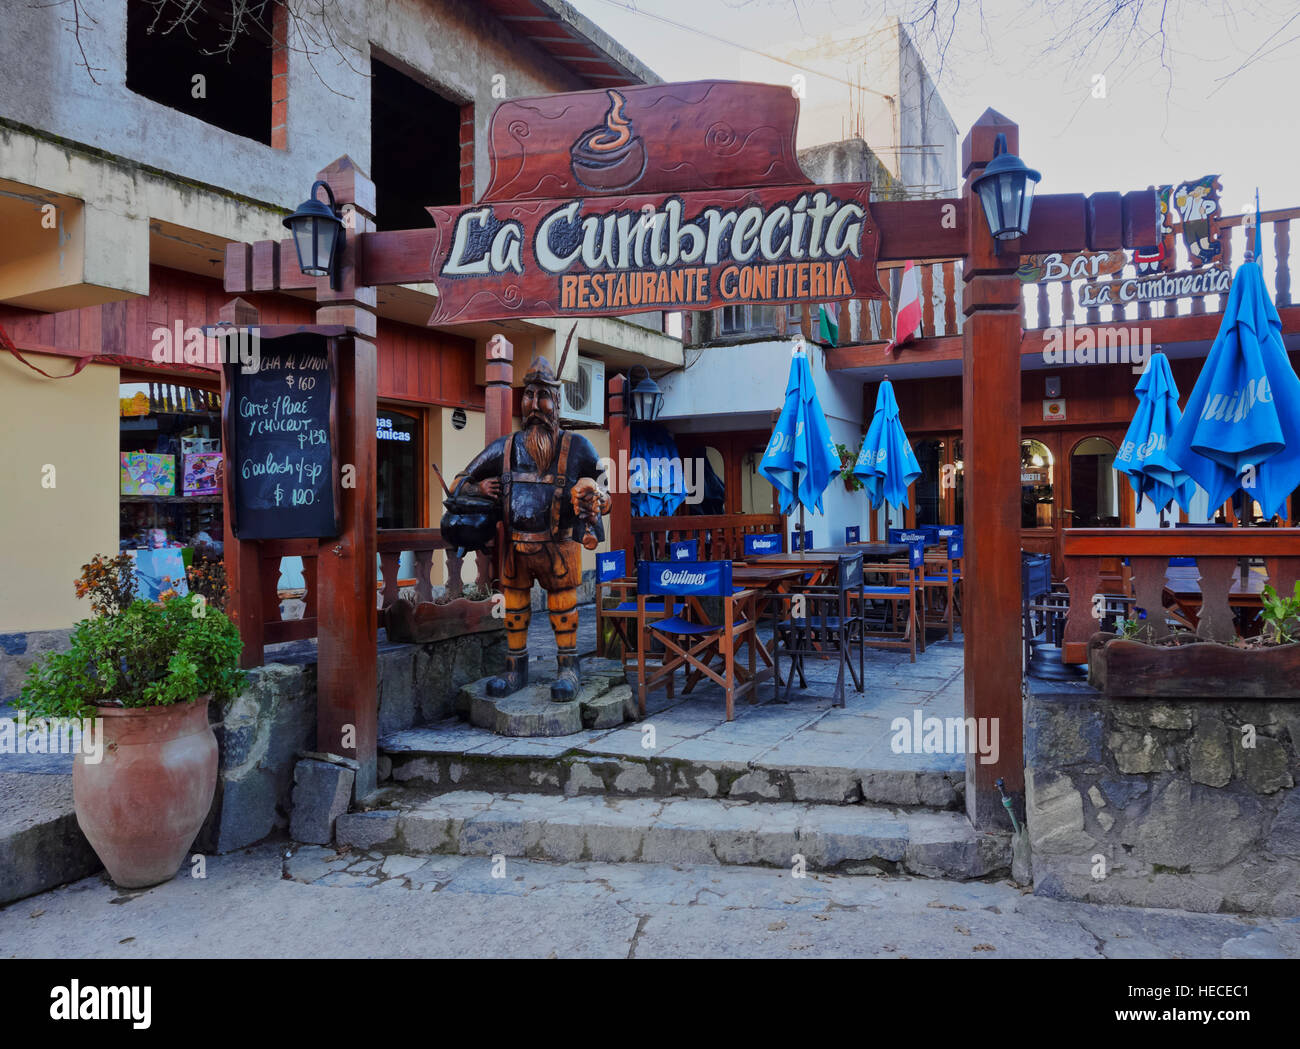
616, 605
817, 630
801, 540
693, 646
942, 575
757, 543
852, 534
684, 550
896, 585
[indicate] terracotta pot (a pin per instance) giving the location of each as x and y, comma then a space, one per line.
141, 806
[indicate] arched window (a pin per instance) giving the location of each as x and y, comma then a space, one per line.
1036, 484
1094, 487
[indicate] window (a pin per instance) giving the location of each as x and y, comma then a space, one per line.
170, 59
170, 481
399, 469
415, 149
746, 319
1035, 485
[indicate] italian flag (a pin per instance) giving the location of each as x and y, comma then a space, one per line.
830, 324
907, 315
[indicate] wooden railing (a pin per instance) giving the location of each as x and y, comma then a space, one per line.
1052, 304
721, 536
423, 543
1231, 566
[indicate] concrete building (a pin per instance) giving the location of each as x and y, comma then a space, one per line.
129, 158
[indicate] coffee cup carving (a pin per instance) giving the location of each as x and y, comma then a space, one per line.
609, 156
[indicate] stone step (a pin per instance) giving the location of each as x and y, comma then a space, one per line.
41, 845
859, 839
424, 758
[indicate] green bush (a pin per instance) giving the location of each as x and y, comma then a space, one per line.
143, 655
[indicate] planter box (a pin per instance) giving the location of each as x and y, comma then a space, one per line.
1122, 667
419, 624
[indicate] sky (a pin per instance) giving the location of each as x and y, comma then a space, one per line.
1162, 119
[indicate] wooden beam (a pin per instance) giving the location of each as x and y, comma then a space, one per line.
620, 439
991, 617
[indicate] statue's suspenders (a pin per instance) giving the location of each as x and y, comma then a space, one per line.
558, 478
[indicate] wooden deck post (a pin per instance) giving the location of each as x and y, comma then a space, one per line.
991, 436
243, 560
620, 440
347, 687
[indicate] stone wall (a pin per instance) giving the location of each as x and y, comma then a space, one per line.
1191, 805
263, 730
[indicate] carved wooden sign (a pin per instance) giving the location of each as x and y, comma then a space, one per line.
1209, 280
1071, 265
658, 196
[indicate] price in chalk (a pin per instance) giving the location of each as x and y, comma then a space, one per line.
279, 423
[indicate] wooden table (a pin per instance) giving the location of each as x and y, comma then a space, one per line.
1183, 588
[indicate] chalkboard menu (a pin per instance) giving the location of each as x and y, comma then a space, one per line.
280, 432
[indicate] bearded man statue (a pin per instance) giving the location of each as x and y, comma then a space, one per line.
545, 479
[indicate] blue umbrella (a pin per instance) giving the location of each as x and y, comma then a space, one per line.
1241, 428
1144, 454
655, 472
886, 465
801, 458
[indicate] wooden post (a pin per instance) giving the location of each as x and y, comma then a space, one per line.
347, 684
991, 436
243, 560
498, 390
620, 441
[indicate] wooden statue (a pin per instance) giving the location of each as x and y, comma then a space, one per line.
544, 481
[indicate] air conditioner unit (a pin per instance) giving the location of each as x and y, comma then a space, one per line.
584, 398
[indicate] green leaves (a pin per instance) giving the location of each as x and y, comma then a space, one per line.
1281, 614
145, 654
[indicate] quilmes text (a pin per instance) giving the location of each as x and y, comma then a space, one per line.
1097, 345
680, 578
53, 736
934, 735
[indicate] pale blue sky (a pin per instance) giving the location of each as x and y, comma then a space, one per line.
1141, 133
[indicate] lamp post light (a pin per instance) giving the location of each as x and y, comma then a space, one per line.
647, 398
317, 235
1006, 190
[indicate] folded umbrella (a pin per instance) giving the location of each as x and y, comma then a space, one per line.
1241, 428
886, 466
800, 459
1144, 453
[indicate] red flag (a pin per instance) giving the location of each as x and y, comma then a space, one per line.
907, 315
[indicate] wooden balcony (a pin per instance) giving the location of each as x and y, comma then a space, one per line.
721, 536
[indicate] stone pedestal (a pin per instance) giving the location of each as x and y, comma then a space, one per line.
605, 700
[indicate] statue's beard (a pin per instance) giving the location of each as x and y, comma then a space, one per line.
539, 440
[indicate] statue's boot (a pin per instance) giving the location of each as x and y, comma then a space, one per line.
567, 679
515, 677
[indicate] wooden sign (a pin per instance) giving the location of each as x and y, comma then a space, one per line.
1211, 280
1074, 265
659, 196
280, 426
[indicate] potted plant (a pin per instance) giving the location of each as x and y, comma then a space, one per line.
848, 460
145, 672
1133, 662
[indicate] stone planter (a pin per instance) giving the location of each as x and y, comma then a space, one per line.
413, 624
141, 806
1194, 669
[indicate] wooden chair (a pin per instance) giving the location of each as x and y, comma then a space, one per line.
693, 646
616, 607
942, 577
899, 587
832, 616
684, 550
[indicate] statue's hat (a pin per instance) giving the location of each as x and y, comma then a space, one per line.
541, 373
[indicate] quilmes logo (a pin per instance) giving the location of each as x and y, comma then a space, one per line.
608, 565
75, 1002
682, 578
1155, 442
1234, 407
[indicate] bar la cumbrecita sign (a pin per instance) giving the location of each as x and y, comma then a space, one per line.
1210, 280
663, 196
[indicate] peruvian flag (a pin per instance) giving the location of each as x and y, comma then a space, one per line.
907, 315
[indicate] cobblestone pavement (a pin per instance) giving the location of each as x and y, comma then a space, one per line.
317, 903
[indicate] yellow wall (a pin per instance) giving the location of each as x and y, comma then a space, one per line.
47, 534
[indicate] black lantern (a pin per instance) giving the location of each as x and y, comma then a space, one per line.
317, 234
1006, 190
647, 398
